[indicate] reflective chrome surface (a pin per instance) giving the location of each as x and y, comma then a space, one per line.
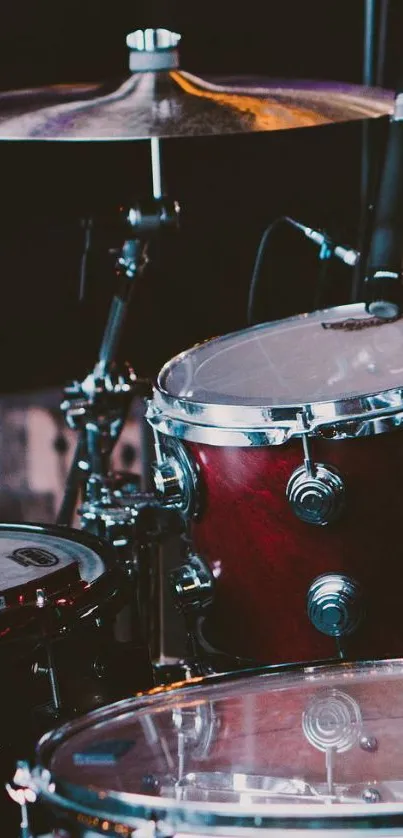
335, 604
176, 477
192, 584
178, 104
316, 498
280, 749
353, 350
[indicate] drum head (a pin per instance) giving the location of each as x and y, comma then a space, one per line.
336, 359
62, 565
300, 748
316, 357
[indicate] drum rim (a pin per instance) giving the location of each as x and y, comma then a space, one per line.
260, 425
135, 810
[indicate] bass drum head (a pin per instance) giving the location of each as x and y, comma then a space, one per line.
302, 748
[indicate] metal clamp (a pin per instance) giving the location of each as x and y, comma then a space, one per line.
176, 479
192, 585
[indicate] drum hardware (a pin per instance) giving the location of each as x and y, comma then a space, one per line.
42, 602
196, 728
333, 723
335, 606
137, 525
98, 406
192, 589
369, 743
176, 478
192, 585
315, 491
332, 720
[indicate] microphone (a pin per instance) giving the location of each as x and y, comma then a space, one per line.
346, 254
383, 282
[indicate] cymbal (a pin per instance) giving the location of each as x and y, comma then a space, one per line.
179, 104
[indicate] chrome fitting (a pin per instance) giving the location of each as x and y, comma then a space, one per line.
176, 480
192, 585
316, 497
334, 604
332, 721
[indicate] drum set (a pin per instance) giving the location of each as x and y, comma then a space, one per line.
287, 711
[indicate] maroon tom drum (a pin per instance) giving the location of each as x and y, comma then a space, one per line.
282, 446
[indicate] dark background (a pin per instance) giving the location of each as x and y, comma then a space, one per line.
229, 188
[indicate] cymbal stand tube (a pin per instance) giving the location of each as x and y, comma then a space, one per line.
156, 168
100, 403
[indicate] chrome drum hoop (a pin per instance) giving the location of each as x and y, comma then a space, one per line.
262, 426
205, 416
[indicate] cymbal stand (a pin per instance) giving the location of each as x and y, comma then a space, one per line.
98, 407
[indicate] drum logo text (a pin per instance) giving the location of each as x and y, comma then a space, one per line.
33, 557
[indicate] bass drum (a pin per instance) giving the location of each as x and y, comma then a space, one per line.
259, 751
62, 649
282, 446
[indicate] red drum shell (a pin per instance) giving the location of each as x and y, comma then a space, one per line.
264, 558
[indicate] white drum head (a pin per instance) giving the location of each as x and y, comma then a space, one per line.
312, 358
32, 556
332, 364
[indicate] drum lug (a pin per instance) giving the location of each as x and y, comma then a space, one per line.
198, 726
332, 721
315, 491
176, 480
371, 795
334, 604
316, 498
192, 585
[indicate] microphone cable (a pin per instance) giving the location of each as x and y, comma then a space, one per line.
328, 249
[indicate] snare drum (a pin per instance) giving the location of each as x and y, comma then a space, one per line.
281, 445
263, 751
60, 593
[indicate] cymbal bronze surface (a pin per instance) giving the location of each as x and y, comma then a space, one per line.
179, 104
